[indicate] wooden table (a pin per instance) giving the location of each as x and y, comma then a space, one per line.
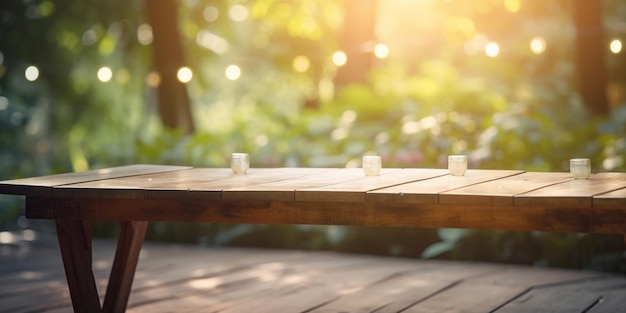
136, 194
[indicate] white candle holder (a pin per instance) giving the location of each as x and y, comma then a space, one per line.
457, 165
580, 168
372, 165
239, 162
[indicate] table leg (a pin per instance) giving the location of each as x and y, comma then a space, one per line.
75, 244
123, 271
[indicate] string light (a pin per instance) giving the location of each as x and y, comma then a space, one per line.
31, 73
492, 49
184, 75
233, 72
615, 46
340, 58
105, 74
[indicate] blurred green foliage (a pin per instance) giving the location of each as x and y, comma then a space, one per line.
429, 99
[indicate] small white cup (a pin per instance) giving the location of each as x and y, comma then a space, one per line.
372, 165
239, 162
580, 168
457, 164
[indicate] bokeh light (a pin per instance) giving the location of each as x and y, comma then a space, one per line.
538, 45
105, 74
492, 49
153, 79
615, 46
184, 74
31, 73
340, 58
144, 34
381, 51
301, 64
233, 72
238, 12
210, 14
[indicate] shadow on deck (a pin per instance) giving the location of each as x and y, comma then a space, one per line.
180, 278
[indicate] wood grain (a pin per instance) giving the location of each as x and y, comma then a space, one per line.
428, 190
41, 186
576, 193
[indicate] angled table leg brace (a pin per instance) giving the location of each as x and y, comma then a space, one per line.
75, 243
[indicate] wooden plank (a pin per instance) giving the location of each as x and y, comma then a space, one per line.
577, 193
468, 296
284, 189
355, 190
502, 191
265, 188
590, 295
428, 190
613, 200
41, 186
142, 186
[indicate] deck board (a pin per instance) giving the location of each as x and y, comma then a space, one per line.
184, 278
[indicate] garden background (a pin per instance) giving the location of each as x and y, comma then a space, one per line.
513, 84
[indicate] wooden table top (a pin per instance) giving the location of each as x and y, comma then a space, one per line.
345, 189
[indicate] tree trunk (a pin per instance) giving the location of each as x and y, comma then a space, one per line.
590, 55
357, 41
173, 99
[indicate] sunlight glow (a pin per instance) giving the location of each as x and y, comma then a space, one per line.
513, 6
144, 34
615, 46
184, 74
238, 12
31, 73
492, 49
340, 58
301, 64
233, 72
538, 45
381, 51
105, 74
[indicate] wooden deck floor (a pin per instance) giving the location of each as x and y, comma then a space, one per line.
177, 278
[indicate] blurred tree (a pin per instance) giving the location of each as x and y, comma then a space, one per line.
357, 41
590, 53
174, 104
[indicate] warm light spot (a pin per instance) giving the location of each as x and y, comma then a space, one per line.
211, 41
615, 46
105, 74
301, 64
31, 73
538, 45
6, 237
381, 51
238, 12
153, 79
492, 49
205, 283
144, 34
233, 72
184, 75
512, 6
340, 58
211, 14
